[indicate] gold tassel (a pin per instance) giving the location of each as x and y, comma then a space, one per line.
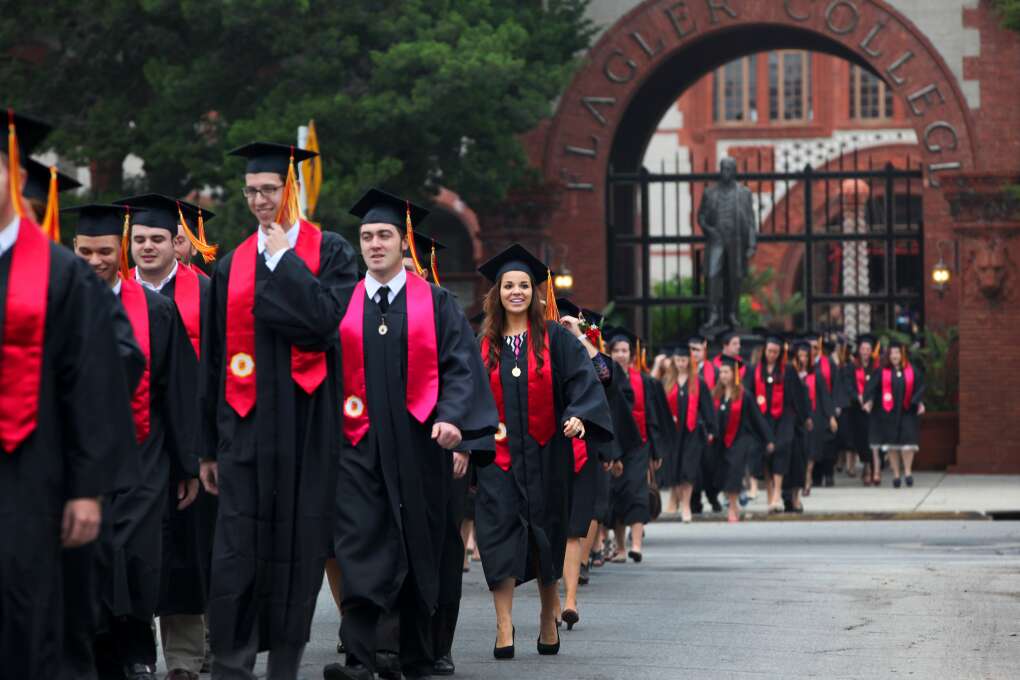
552, 312
14, 166
125, 244
290, 207
51, 218
435, 266
208, 252
420, 270
877, 353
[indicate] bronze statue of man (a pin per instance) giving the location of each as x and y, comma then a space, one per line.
726, 217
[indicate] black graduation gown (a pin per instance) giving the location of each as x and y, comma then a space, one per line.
626, 438
69, 455
818, 441
277, 465
393, 487
188, 533
521, 514
899, 426
690, 446
841, 396
585, 484
163, 458
752, 432
795, 413
630, 490
857, 418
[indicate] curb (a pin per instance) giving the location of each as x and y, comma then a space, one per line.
970, 515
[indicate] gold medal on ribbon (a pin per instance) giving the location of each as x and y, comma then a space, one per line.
383, 328
516, 372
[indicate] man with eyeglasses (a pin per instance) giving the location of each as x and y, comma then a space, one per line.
271, 426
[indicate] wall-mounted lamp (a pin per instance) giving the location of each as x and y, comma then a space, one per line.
940, 273
564, 281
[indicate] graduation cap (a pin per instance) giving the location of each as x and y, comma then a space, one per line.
591, 316
430, 246
568, 308
866, 338
270, 157
162, 212
517, 258
732, 362
696, 339
728, 335
28, 132
620, 334
37, 186
773, 338
98, 219
381, 207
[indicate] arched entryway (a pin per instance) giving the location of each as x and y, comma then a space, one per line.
635, 72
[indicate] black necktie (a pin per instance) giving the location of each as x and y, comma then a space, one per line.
384, 299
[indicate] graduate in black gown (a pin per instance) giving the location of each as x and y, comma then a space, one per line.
858, 374
741, 428
55, 461
158, 222
894, 400
271, 427
547, 394
698, 346
779, 395
164, 420
647, 402
822, 390
690, 404
413, 389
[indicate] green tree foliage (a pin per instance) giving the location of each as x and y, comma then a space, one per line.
1010, 10
409, 94
937, 353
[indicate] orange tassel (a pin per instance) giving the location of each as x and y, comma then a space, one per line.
14, 166
435, 266
877, 352
51, 219
410, 240
208, 252
125, 244
290, 207
552, 312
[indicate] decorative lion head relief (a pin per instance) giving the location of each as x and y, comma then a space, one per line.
992, 268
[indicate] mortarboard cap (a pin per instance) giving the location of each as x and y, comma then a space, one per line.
425, 244
380, 207
37, 186
732, 362
97, 219
696, 339
29, 131
866, 338
270, 157
154, 210
728, 335
516, 258
591, 316
620, 334
568, 308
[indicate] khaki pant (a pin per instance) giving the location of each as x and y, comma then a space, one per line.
183, 641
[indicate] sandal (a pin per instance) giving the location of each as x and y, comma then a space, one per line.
618, 558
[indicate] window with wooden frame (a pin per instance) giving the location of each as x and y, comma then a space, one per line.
790, 89
870, 97
734, 96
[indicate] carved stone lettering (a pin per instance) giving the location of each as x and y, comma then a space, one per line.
788, 6
645, 47
714, 5
852, 13
940, 167
584, 151
591, 103
875, 30
678, 16
924, 96
615, 76
574, 183
951, 145
895, 66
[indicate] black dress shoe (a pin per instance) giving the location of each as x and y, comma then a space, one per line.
139, 671
896, 482
909, 479
444, 665
505, 652
634, 555
340, 649
335, 671
585, 576
716, 506
387, 665
549, 650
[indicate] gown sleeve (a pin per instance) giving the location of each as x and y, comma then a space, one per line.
872, 387
706, 408
131, 357
758, 424
179, 412
307, 309
795, 394
920, 385
663, 429
583, 395
211, 365
628, 437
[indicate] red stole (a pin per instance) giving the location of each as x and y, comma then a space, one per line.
188, 299
422, 390
733, 420
861, 379
21, 353
908, 388
638, 410
776, 407
708, 369
741, 366
541, 415
308, 369
132, 296
195, 268
580, 453
826, 366
812, 387
691, 417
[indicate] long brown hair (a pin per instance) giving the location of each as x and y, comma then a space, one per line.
670, 374
495, 320
720, 390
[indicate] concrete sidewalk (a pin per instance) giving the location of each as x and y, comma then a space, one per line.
935, 495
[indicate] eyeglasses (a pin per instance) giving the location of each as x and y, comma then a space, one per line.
265, 191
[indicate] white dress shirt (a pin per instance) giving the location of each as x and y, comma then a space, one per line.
154, 287
9, 235
117, 286
272, 261
395, 284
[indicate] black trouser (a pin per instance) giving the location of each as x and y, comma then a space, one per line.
128, 641
359, 631
80, 613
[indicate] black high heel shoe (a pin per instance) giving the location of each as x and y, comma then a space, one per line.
570, 617
549, 650
506, 652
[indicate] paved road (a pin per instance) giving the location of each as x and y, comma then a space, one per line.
769, 600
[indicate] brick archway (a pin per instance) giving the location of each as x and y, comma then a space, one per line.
642, 63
